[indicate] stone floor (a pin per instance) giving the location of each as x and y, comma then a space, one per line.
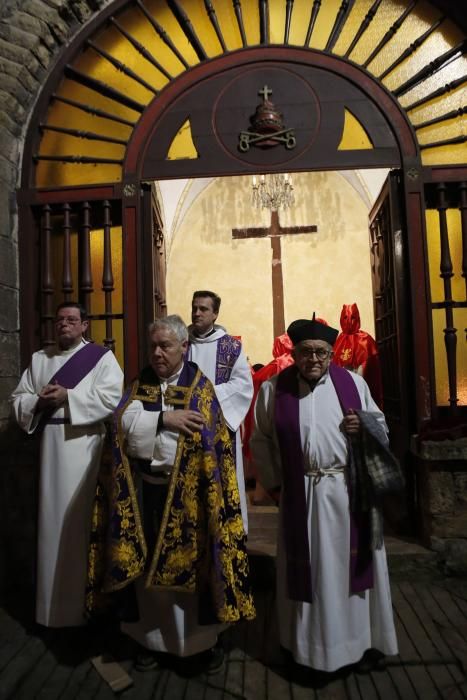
431, 619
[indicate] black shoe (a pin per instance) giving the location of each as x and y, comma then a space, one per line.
372, 660
146, 660
210, 661
215, 660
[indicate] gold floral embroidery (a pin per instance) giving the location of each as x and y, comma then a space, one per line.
201, 541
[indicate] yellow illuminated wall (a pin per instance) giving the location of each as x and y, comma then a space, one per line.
321, 271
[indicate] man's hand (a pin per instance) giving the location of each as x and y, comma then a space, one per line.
53, 396
351, 424
183, 421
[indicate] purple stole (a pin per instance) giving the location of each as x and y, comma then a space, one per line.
73, 371
287, 423
228, 352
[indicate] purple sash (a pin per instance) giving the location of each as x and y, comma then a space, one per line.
72, 372
78, 366
228, 352
294, 501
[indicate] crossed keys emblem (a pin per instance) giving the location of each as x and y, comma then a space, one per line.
248, 138
267, 127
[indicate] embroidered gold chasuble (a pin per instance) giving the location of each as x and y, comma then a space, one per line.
201, 544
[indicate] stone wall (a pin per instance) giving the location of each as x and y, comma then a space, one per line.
442, 481
32, 34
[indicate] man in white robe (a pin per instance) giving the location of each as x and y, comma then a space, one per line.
71, 416
330, 622
156, 438
221, 358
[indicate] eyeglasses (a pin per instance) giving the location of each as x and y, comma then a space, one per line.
320, 353
71, 320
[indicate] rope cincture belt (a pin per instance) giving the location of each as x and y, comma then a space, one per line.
318, 472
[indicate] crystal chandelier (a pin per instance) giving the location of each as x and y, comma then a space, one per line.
273, 191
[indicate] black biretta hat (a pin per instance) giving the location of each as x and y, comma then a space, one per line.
304, 329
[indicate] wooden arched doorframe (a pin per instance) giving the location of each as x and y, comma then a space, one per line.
145, 161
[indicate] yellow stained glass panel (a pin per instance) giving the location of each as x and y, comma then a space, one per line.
354, 136
203, 28
58, 144
455, 69
452, 154
97, 268
140, 27
299, 23
98, 335
451, 128
453, 219
440, 106
460, 322
324, 23
164, 16
385, 17
416, 24
434, 254
121, 49
135, 22
182, 147
98, 68
57, 174
63, 114
441, 366
228, 24
97, 332
80, 93
276, 21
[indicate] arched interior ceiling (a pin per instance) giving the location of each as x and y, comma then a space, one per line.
140, 46
177, 196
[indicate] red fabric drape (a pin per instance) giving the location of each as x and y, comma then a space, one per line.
281, 351
355, 349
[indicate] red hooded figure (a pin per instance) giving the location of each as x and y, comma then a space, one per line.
281, 352
356, 350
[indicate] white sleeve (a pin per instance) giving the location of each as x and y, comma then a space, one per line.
139, 427
24, 399
263, 444
95, 398
235, 395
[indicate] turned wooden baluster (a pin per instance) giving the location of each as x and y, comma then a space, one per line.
463, 210
85, 274
67, 280
107, 277
450, 336
47, 286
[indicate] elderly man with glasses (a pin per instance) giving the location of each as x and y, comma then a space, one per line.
333, 596
65, 395
171, 519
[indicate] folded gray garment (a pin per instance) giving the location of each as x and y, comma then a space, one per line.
382, 465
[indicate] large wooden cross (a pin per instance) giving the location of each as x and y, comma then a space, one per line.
274, 232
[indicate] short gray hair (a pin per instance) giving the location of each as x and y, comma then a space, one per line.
174, 323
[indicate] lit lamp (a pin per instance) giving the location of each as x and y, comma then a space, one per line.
273, 191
